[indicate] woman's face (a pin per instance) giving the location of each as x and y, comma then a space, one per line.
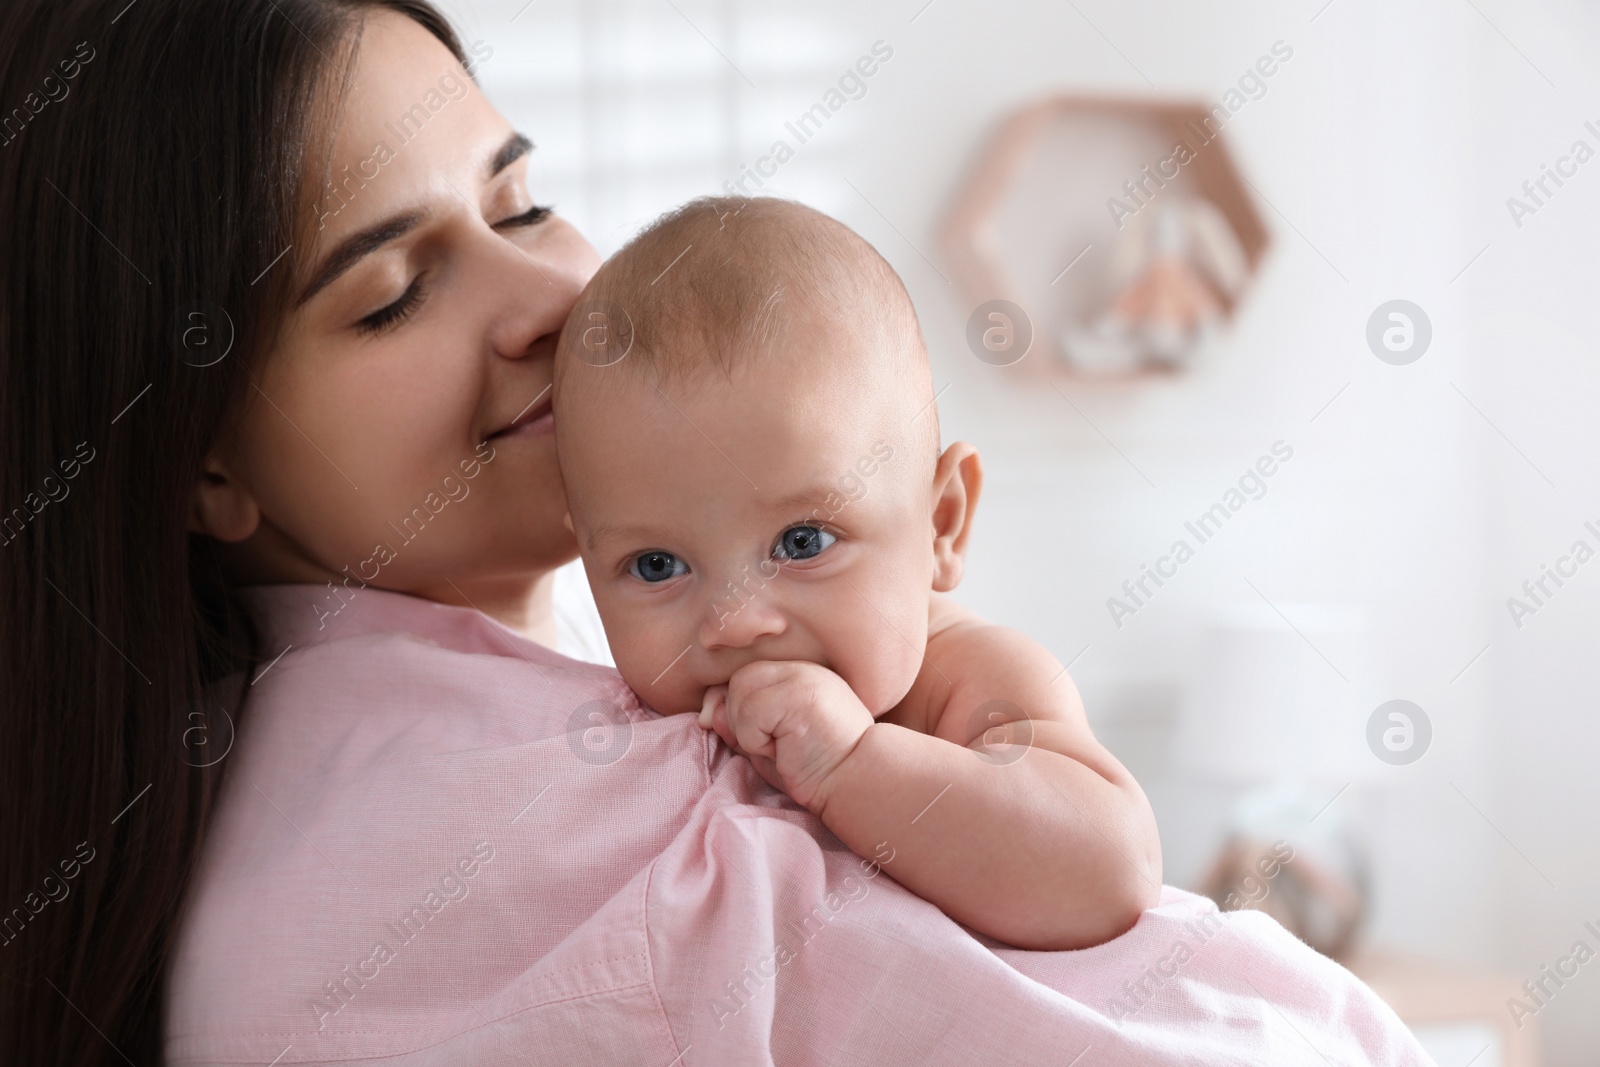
377, 444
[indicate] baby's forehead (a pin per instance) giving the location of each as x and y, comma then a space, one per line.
805, 404
821, 388
772, 433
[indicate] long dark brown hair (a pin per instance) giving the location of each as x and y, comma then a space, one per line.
151, 163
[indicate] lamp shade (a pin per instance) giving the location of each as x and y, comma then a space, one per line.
1271, 697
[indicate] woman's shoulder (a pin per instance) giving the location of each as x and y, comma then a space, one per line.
297, 615
415, 793
376, 661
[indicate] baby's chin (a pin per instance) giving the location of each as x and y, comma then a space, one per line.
665, 701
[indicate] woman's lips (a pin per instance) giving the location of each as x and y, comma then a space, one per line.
542, 426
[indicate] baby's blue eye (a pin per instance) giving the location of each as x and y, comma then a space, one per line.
802, 542
657, 566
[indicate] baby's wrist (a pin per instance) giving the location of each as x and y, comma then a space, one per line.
857, 760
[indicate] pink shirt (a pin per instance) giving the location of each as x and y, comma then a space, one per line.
440, 843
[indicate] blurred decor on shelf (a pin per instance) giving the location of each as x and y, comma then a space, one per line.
1121, 227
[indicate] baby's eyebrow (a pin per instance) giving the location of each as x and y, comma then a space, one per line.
783, 509
811, 497
611, 532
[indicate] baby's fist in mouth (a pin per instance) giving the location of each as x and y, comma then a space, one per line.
795, 720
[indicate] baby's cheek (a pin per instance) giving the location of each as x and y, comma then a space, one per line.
875, 628
877, 662
646, 662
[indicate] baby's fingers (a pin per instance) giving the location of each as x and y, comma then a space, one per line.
714, 714
715, 695
769, 770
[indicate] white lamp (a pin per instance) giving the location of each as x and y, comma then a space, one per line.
1272, 708
1272, 698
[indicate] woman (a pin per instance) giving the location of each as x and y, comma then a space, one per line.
174, 216
277, 326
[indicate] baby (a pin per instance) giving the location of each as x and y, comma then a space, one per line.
747, 431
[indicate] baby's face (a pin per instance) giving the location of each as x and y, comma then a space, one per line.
785, 514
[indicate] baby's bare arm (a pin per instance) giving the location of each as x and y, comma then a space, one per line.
1052, 846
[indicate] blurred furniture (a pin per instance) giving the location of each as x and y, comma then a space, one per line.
1458, 1014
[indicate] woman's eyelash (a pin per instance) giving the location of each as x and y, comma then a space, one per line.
534, 215
386, 317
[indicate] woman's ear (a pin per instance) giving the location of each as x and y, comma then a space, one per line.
221, 506
957, 481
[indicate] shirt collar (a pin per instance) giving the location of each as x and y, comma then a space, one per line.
303, 615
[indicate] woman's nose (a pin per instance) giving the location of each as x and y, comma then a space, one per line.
745, 614
535, 289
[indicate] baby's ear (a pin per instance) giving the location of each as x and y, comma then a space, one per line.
957, 481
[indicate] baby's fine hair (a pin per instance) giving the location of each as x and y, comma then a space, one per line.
720, 279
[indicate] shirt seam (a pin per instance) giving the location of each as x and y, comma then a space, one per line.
650, 966
708, 739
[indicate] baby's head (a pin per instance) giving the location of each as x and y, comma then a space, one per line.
745, 423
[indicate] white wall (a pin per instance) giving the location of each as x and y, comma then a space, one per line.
1389, 144
1536, 349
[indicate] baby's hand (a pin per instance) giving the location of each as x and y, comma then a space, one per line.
795, 720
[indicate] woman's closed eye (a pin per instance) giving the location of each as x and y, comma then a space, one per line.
657, 566
532, 217
391, 315
802, 542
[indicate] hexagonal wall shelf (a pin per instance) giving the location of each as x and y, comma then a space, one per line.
1121, 228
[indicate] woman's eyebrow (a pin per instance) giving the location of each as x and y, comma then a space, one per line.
372, 238
516, 146
357, 245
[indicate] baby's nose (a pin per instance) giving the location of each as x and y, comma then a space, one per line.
741, 617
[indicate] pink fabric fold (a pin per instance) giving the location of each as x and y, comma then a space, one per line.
439, 843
